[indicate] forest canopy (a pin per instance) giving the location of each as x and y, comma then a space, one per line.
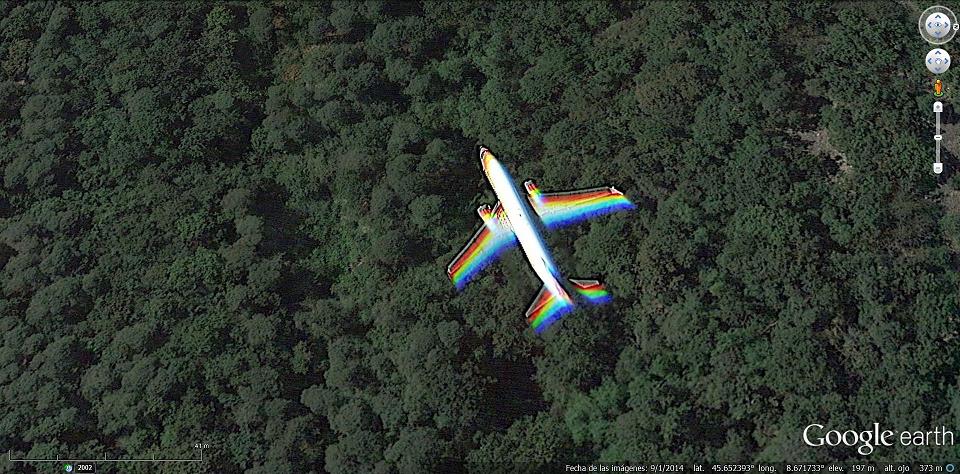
229, 223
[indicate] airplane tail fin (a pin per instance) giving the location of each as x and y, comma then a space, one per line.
592, 290
547, 308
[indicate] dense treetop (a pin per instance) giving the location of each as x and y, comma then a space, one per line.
229, 223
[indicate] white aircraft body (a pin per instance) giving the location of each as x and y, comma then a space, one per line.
511, 221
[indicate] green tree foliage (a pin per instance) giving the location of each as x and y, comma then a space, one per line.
229, 223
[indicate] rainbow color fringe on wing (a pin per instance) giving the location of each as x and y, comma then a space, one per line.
484, 249
562, 209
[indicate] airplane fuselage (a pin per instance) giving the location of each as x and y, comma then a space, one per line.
524, 227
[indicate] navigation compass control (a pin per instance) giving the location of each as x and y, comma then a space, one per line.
938, 24
937, 61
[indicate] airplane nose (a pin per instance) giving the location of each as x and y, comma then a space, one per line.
486, 158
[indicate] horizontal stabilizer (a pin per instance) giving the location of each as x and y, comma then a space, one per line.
547, 308
592, 290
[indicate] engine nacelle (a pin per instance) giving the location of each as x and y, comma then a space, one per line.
485, 212
532, 188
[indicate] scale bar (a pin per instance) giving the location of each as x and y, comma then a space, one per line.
104, 459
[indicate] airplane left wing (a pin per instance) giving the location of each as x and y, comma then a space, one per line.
558, 210
490, 240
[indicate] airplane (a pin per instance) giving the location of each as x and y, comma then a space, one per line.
513, 220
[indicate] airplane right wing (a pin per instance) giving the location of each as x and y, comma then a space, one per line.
561, 209
490, 240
